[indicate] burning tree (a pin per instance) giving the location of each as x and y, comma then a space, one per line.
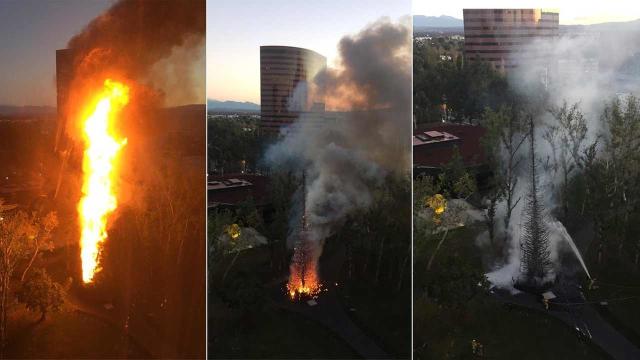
102, 148
303, 271
535, 262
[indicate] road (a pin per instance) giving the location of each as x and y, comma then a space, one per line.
583, 317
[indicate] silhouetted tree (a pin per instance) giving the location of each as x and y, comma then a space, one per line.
534, 243
40, 293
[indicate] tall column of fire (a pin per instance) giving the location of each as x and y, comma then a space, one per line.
102, 147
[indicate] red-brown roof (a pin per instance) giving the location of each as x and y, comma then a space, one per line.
436, 154
232, 189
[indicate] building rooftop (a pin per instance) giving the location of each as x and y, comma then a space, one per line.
432, 137
227, 183
434, 144
233, 189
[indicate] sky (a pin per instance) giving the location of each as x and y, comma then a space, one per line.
30, 33
237, 28
571, 11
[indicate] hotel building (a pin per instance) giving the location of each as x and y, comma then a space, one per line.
285, 75
500, 36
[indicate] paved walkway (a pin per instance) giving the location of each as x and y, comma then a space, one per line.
330, 313
584, 318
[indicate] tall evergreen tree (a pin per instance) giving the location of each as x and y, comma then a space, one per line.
535, 262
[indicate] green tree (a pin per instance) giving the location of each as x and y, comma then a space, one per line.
566, 138
233, 143
40, 237
18, 233
455, 282
467, 87
621, 122
41, 294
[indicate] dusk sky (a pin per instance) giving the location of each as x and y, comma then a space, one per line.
571, 11
31, 31
237, 29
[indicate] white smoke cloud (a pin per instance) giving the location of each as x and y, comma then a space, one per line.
590, 69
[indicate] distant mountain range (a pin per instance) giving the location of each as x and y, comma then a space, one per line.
442, 21
12, 110
217, 105
624, 26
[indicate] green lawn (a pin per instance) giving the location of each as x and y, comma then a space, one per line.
619, 284
271, 333
505, 334
384, 314
445, 333
66, 335
268, 332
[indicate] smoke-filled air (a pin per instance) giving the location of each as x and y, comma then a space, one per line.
567, 95
353, 150
525, 193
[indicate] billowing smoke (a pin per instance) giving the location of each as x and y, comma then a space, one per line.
588, 66
346, 154
154, 46
134, 35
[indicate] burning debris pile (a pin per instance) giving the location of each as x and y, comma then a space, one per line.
344, 160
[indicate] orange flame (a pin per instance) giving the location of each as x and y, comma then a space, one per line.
303, 278
99, 162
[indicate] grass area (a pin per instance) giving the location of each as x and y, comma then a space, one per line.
264, 331
505, 334
270, 333
384, 314
619, 284
66, 335
446, 332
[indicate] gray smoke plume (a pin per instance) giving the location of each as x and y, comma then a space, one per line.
589, 66
154, 45
345, 154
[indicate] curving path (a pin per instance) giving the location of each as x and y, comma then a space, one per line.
584, 318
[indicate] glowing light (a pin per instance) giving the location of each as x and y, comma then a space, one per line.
233, 231
438, 203
99, 163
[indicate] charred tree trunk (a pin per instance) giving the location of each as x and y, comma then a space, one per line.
379, 260
491, 215
402, 267
534, 242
